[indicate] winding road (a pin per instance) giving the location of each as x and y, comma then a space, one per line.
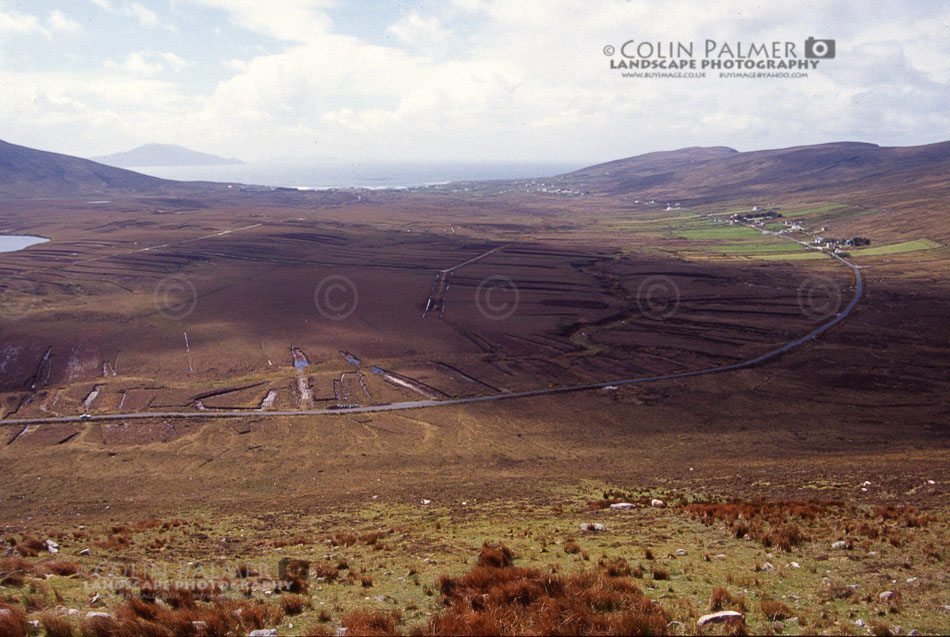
420, 404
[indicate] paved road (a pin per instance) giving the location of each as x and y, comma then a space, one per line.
420, 404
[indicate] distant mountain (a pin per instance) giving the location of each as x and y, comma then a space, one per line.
26, 173
862, 171
163, 155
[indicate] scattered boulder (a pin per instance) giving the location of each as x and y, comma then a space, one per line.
768, 566
657, 503
263, 632
426, 502
886, 596
85, 552
621, 505
840, 545
593, 526
96, 613
778, 626
794, 565
718, 618
199, 626
52, 547
859, 622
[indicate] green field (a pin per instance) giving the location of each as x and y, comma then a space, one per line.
795, 256
719, 232
809, 211
897, 248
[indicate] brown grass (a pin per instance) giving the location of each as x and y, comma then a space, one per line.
513, 600
571, 548
495, 556
293, 604
369, 623
56, 625
775, 611
12, 620
326, 570
64, 569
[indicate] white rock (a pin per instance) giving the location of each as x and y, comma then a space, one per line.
719, 556
52, 546
96, 613
681, 552
794, 564
85, 552
341, 631
593, 526
911, 580
886, 596
859, 622
199, 626
839, 545
867, 483
914, 633
657, 503
931, 482
621, 505
425, 502
718, 618
72, 611
263, 632
768, 567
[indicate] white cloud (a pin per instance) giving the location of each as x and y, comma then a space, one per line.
147, 63
419, 32
59, 21
289, 20
12, 22
135, 11
527, 81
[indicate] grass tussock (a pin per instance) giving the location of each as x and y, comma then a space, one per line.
497, 597
774, 524
293, 604
12, 620
775, 611
63, 569
369, 623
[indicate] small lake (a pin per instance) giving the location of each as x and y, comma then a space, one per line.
14, 242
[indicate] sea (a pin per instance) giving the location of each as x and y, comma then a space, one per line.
376, 175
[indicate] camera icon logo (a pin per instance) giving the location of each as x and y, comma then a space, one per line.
819, 49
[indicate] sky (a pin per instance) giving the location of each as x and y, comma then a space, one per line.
475, 80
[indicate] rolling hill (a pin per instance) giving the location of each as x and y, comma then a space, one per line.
862, 171
26, 173
163, 155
